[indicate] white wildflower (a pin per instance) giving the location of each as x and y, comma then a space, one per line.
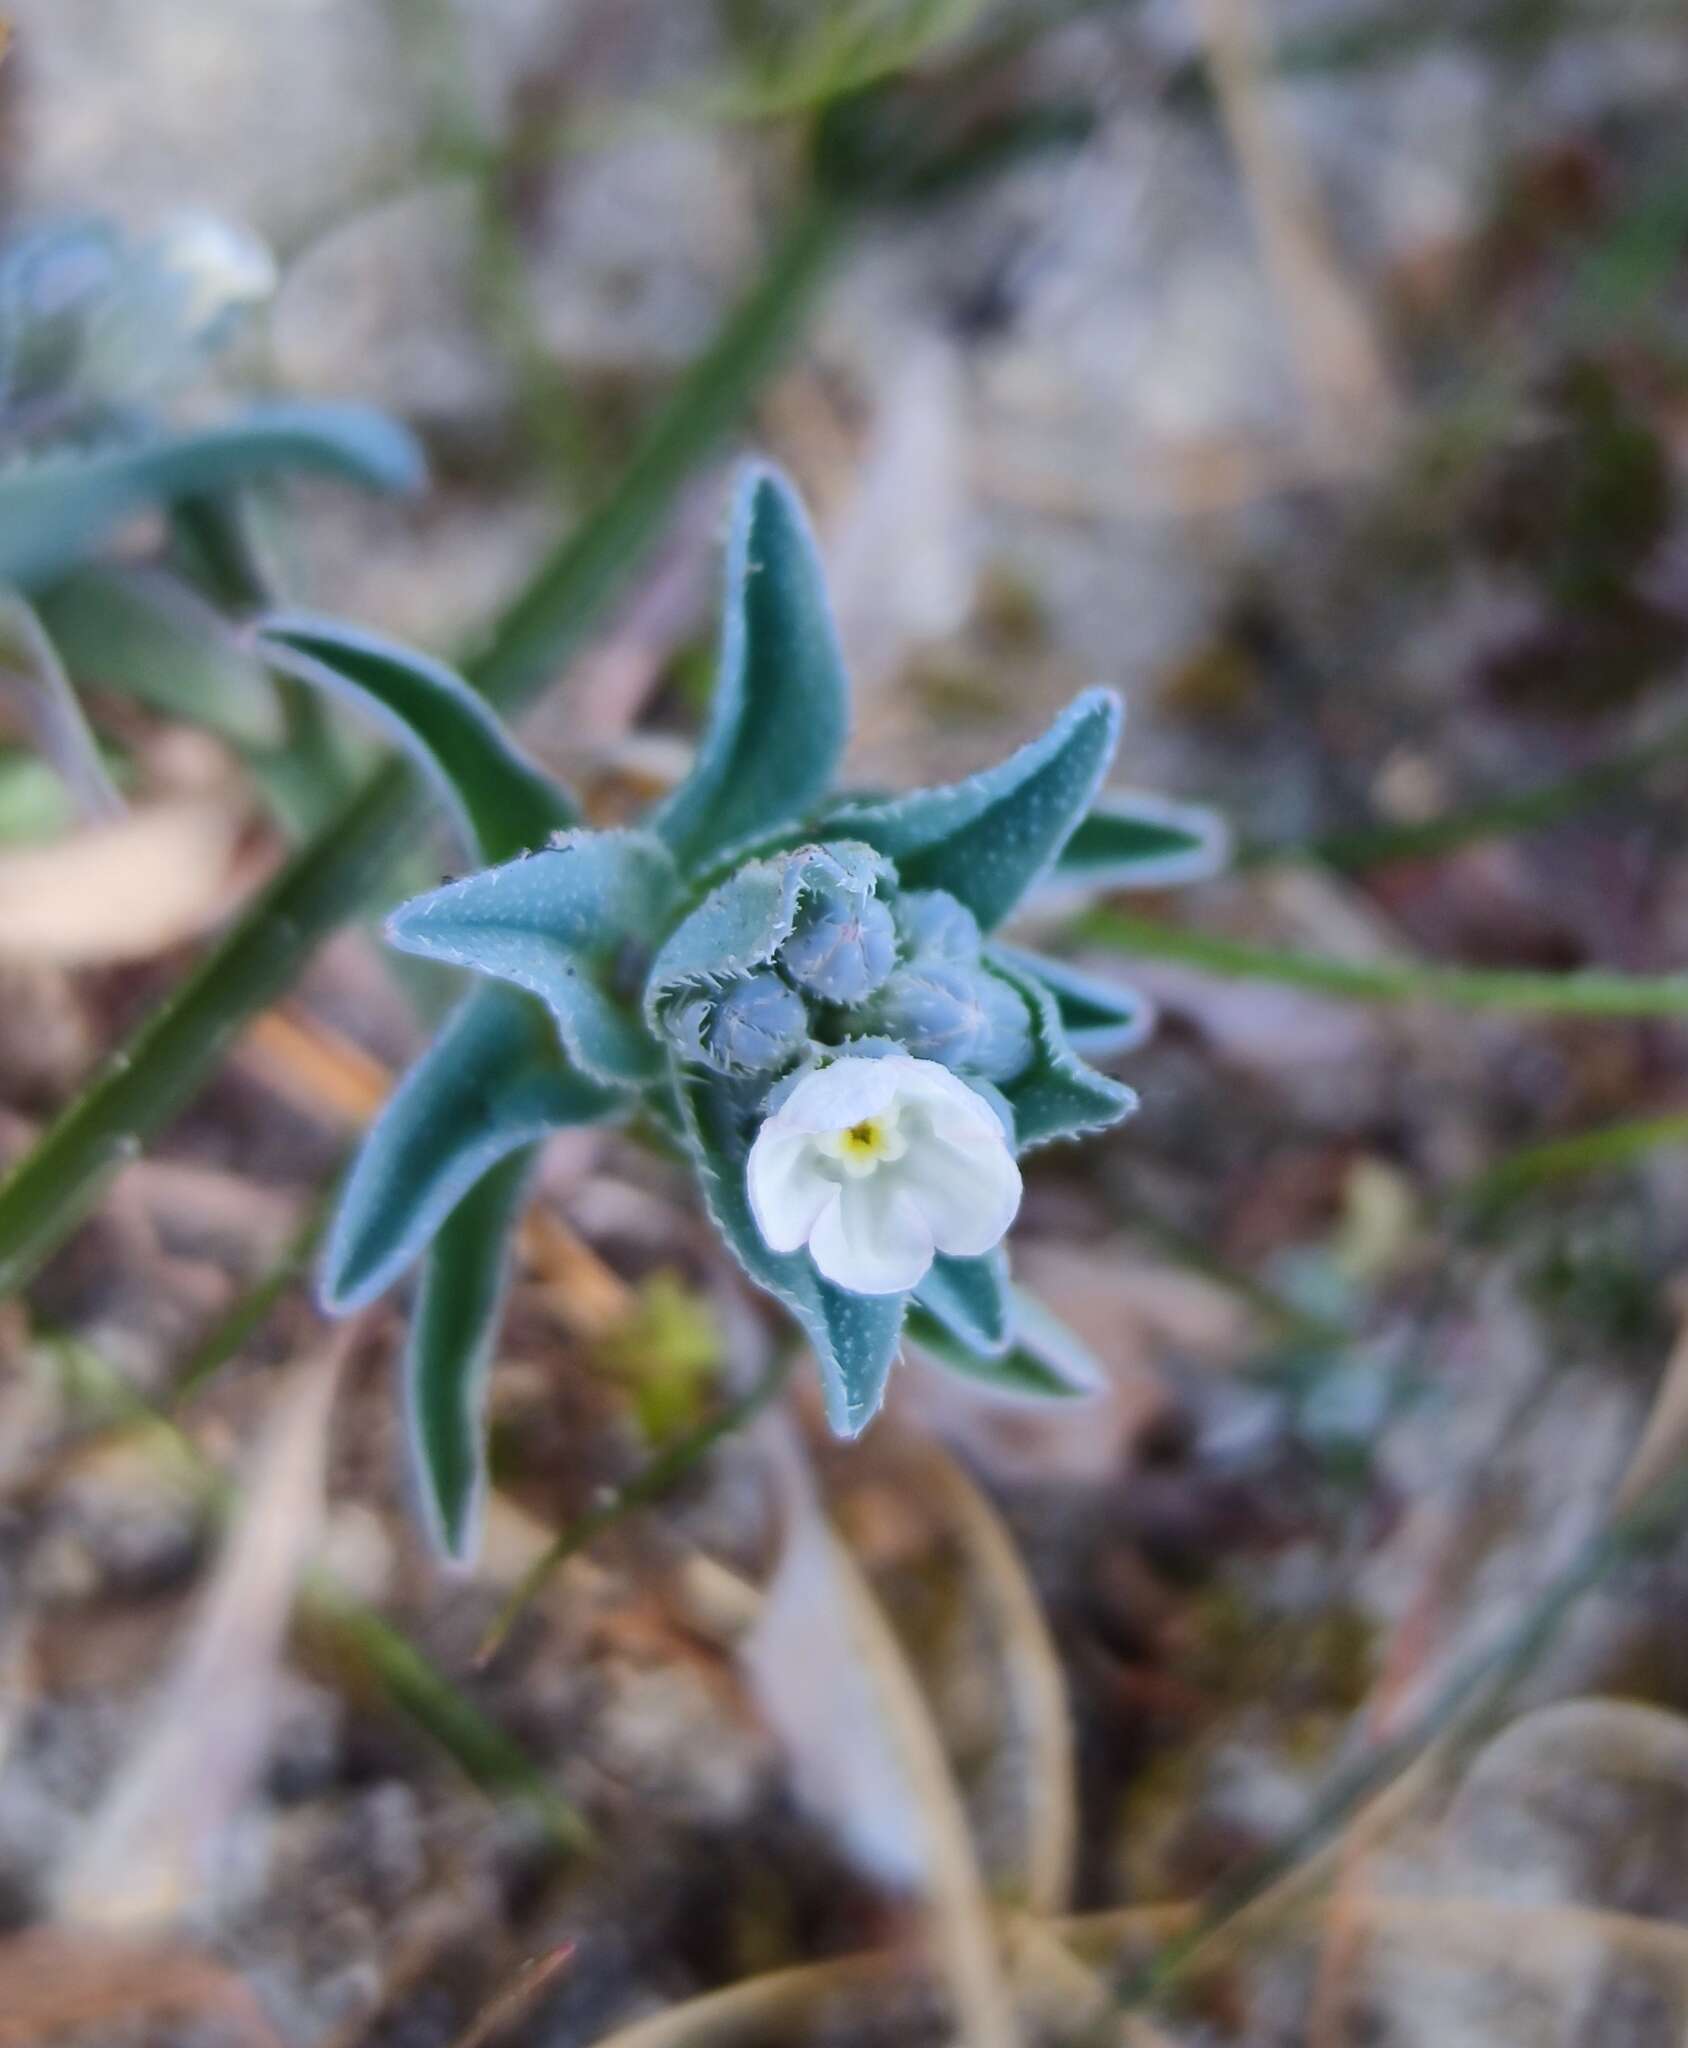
878, 1164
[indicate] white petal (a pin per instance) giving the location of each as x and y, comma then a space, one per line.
786, 1186
872, 1239
968, 1193
842, 1094
951, 1106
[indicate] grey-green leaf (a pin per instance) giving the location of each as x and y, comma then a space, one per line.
56, 511
855, 1336
505, 802
1143, 842
1044, 1360
449, 1350
780, 710
1099, 1016
1058, 1096
34, 683
492, 1082
991, 838
970, 1297
561, 924
144, 635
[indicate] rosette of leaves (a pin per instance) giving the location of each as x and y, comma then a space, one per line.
686, 971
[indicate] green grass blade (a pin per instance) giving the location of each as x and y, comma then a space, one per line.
329, 880
1591, 992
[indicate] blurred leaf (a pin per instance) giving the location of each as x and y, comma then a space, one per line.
140, 634
448, 1350
1100, 1017
559, 924
492, 1082
1043, 1360
780, 708
969, 1297
127, 890
1143, 842
989, 839
58, 509
34, 684
668, 1351
505, 804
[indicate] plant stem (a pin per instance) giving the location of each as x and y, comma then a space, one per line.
1557, 1158
653, 1479
1591, 992
327, 881
1374, 846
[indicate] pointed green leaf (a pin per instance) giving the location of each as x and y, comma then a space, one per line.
1136, 841
743, 923
449, 1348
780, 711
506, 804
147, 636
33, 682
855, 1336
56, 511
970, 1297
1044, 1359
1099, 1016
1058, 1096
989, 839
559, 923
492, 1082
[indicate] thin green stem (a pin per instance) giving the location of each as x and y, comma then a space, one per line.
654, 1479
1548, 804
1591, 992
1533, 1166
250, 1310
146, 1082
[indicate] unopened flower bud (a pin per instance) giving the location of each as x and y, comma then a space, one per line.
748, 1027
963, 1017
844, 943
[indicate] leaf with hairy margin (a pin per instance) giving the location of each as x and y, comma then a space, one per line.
448, 1352
780, 710
970, 1297
855, 1336
561, 924
505, 803
1099, 1016
1042, 1360
991, 838
491, 1083
1057, 1096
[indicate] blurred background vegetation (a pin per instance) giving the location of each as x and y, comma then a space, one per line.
1316, 371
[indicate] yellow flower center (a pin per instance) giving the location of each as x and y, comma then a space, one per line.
870, 1142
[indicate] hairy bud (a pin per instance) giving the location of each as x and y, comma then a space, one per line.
753, 1025
961, 1016
844, 943
934, 926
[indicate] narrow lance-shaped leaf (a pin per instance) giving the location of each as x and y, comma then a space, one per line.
780, 709
855, 1336
970, 1298
1043, 1359
561, 924
56, 511
144, 635
989, 839
1058, 1096
505, 802
448, 1353
1099, 1016
1137, 841
491, 1083
32, 677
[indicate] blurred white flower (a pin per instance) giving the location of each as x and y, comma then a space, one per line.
219, 267
878, 1164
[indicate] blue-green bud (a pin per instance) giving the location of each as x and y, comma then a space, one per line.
844, 942
961, 1016
933, 925
746, 1028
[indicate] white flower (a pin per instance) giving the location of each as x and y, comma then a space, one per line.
877, 1164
